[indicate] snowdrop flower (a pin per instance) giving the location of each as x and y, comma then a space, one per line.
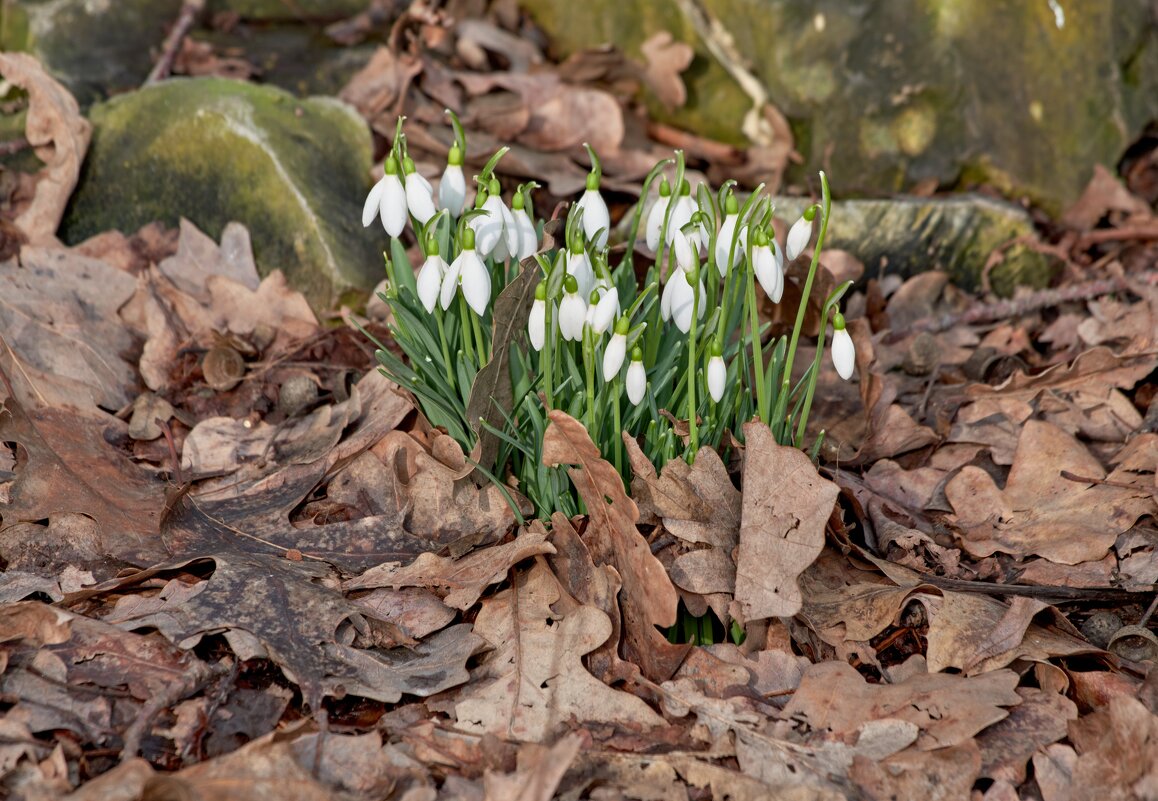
636, 377
843, 351
655, 217
768, 265
603, 309
616, 349
468, 271
717, 373
452, 187
579, 265
431, 275
572, 311
799, 234
388, 200
686, 247
681, 215
419, 194
683, 300
525, 227
495, 229
596, 219
537, 321
727, 233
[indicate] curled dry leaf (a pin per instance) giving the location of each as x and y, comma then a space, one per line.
1040, 511
648, 597
785, 508
666, 59
463, 580
534, 681
60, 137
946, 773
539, 772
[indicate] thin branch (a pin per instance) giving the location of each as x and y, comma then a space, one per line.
190, 10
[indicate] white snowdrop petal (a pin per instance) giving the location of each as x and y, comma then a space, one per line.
537, 324
393, 208
798, 236
572, 315
430, 281
654, 223
724, 244
476, 282
452, 189
717, 377
373, 202
636, 382
605, 311
613, 356
450, 282
579, 266
843, 353
596, 219
418, 198
528, 238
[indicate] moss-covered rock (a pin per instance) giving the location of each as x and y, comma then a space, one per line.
297, 10
887, 93
957, 235
293, 171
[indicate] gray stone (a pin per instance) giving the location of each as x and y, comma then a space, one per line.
909, 235
887, 93
294, 172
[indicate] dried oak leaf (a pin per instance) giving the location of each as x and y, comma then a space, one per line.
60, 137
1117, 749
534, 681
461, 580
71, 467
666, 59
948, 709
539, 772
1040, 511
291, 613
785, 508
648, 598
1039, 720
61, 342
942, 774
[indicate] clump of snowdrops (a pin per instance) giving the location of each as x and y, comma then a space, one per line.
676, 361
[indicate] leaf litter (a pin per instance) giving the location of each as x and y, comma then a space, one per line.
266, 571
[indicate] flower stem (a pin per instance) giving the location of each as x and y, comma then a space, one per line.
693, 360
546, 360
827, 205
464, 321
757, 345
480, 343
589, 369
617, 444
811, 390
439, 314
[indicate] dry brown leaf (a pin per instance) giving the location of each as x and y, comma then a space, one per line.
1040, 512
942, 775
648, 597
1117, 749
72, 467
463, 580
60, 137
534, 680
61, 343
666, 59
1104, 193
1039, 720
786, 506
539, 772
949, 709
378, 88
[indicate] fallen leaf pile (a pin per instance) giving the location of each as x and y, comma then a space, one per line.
237, 561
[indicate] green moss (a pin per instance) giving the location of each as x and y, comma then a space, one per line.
213, 150
13, 26
298, 10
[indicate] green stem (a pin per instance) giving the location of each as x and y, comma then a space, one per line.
693, 429
546, 360
589, 369
827, 205
757, 345
480, 343
438, 315
464, 322
617, 445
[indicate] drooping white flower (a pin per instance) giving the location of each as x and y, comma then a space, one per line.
572, 311
537, 320
596, 219
431, 275
843, 350
636, 378
717, 374
799, 234
490, 228
452, 187
654, 225
578, 264
681, 215
388, 199
686, 247
616, 350
525, 226
419, 193
767, 266
683, 301
467, 271
727, 233
603, 313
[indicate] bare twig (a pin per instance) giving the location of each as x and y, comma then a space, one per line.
190, 10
